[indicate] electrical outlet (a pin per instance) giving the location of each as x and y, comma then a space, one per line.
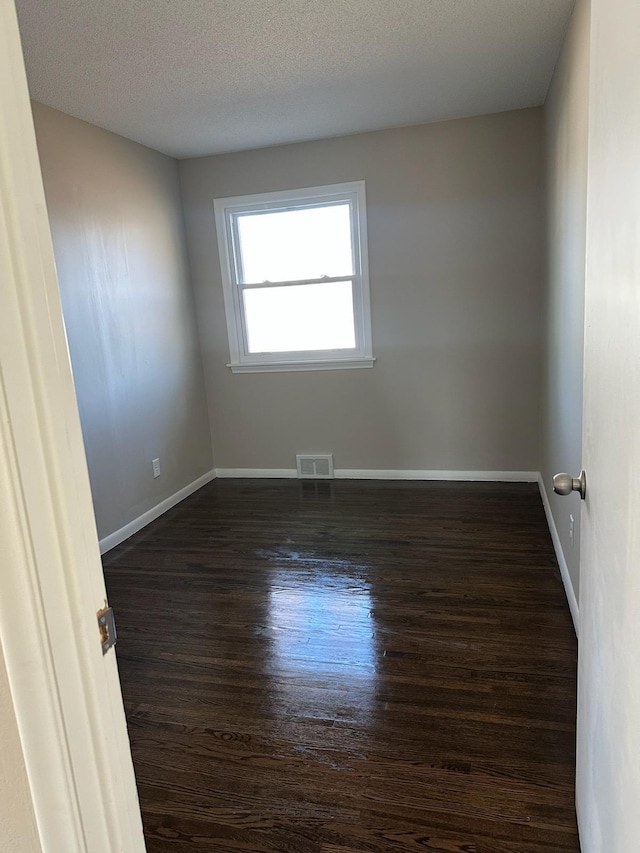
572, 527
156, 468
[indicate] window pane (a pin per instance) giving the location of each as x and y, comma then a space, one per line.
300, 317
293, 245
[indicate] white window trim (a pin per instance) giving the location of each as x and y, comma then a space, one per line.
241, 361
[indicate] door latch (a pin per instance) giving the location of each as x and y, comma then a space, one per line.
107, 628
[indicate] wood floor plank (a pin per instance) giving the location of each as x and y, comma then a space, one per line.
349, 667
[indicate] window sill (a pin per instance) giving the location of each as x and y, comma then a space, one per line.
290, 366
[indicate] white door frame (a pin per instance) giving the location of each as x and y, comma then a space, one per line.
66, 694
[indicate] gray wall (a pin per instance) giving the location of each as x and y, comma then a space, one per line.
118, 235
566, 114
456, 237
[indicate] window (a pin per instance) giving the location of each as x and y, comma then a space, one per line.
295, 277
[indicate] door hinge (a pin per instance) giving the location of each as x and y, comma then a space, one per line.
107, 628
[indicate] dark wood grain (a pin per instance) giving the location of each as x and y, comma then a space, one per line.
346, 667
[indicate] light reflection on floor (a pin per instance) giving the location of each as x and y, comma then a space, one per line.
323, 653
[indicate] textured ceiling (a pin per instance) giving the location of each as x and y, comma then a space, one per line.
192, 77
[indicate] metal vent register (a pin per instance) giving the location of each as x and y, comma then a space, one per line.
318, 467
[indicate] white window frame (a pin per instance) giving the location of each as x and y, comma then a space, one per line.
226, 212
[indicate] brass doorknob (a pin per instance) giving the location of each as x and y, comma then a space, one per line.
564, 484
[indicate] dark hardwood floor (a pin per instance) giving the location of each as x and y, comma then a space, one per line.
349, 666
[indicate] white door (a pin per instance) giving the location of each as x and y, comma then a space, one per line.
65, 693
608, 775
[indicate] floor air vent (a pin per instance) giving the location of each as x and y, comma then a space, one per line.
315, 467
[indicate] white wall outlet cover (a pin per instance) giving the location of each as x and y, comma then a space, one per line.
156, 467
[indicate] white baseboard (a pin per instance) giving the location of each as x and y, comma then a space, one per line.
562, 563
257, 473
387, 474
137, 524
468, 476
